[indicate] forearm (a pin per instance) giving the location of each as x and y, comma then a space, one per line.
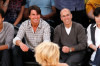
90, 14
1, 4
19, 42
25, 14
5, 6
18, 20
19, 16
3, 47
93, 47
23, 46
51, 14
80, 47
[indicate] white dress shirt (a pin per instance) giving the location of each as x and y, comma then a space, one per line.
97, 39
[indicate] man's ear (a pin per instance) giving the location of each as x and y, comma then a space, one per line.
28, 16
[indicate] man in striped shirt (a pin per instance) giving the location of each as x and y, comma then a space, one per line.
35, 30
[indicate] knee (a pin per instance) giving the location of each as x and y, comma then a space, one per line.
6, 52
15, 50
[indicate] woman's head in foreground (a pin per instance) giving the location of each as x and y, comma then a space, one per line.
47, 54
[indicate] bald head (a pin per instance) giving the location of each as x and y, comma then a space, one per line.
66, 17
65, 10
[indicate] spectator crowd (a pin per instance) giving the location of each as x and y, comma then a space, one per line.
50, 32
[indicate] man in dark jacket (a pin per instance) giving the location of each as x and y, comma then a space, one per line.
71, 38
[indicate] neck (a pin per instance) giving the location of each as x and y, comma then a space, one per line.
34, 24
68, 25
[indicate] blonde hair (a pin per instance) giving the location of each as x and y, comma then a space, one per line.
47, 54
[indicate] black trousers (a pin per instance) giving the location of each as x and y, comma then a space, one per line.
5, 57
97, 58
19, 56
73, 58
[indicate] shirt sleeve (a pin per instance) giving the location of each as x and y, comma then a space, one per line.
15, 39
20, 34
81, 38
46, 34
10, 36
56, 37
89, 41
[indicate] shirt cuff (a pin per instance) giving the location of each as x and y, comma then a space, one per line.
15, 39
89, 42
9, 46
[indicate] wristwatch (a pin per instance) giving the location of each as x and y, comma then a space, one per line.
70, 50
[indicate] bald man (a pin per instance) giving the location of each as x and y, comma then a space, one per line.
71, 38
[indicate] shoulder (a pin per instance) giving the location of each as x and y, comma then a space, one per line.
77, 25
8, 25
44, 23
59, 26
78, 28
25, 23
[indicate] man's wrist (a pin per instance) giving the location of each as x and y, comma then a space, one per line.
18, 42
70, 50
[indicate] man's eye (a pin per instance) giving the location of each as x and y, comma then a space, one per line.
63, 16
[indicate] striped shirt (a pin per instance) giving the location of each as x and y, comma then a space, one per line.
7, 34
33, 38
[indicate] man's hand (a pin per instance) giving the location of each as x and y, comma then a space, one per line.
65, 49
93, 47
24, 47
99, 46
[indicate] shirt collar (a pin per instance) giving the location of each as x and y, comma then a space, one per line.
95, 25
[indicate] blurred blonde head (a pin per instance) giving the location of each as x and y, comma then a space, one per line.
47, 54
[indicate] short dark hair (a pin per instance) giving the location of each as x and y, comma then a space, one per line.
34, 7
97, 11
2, 13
